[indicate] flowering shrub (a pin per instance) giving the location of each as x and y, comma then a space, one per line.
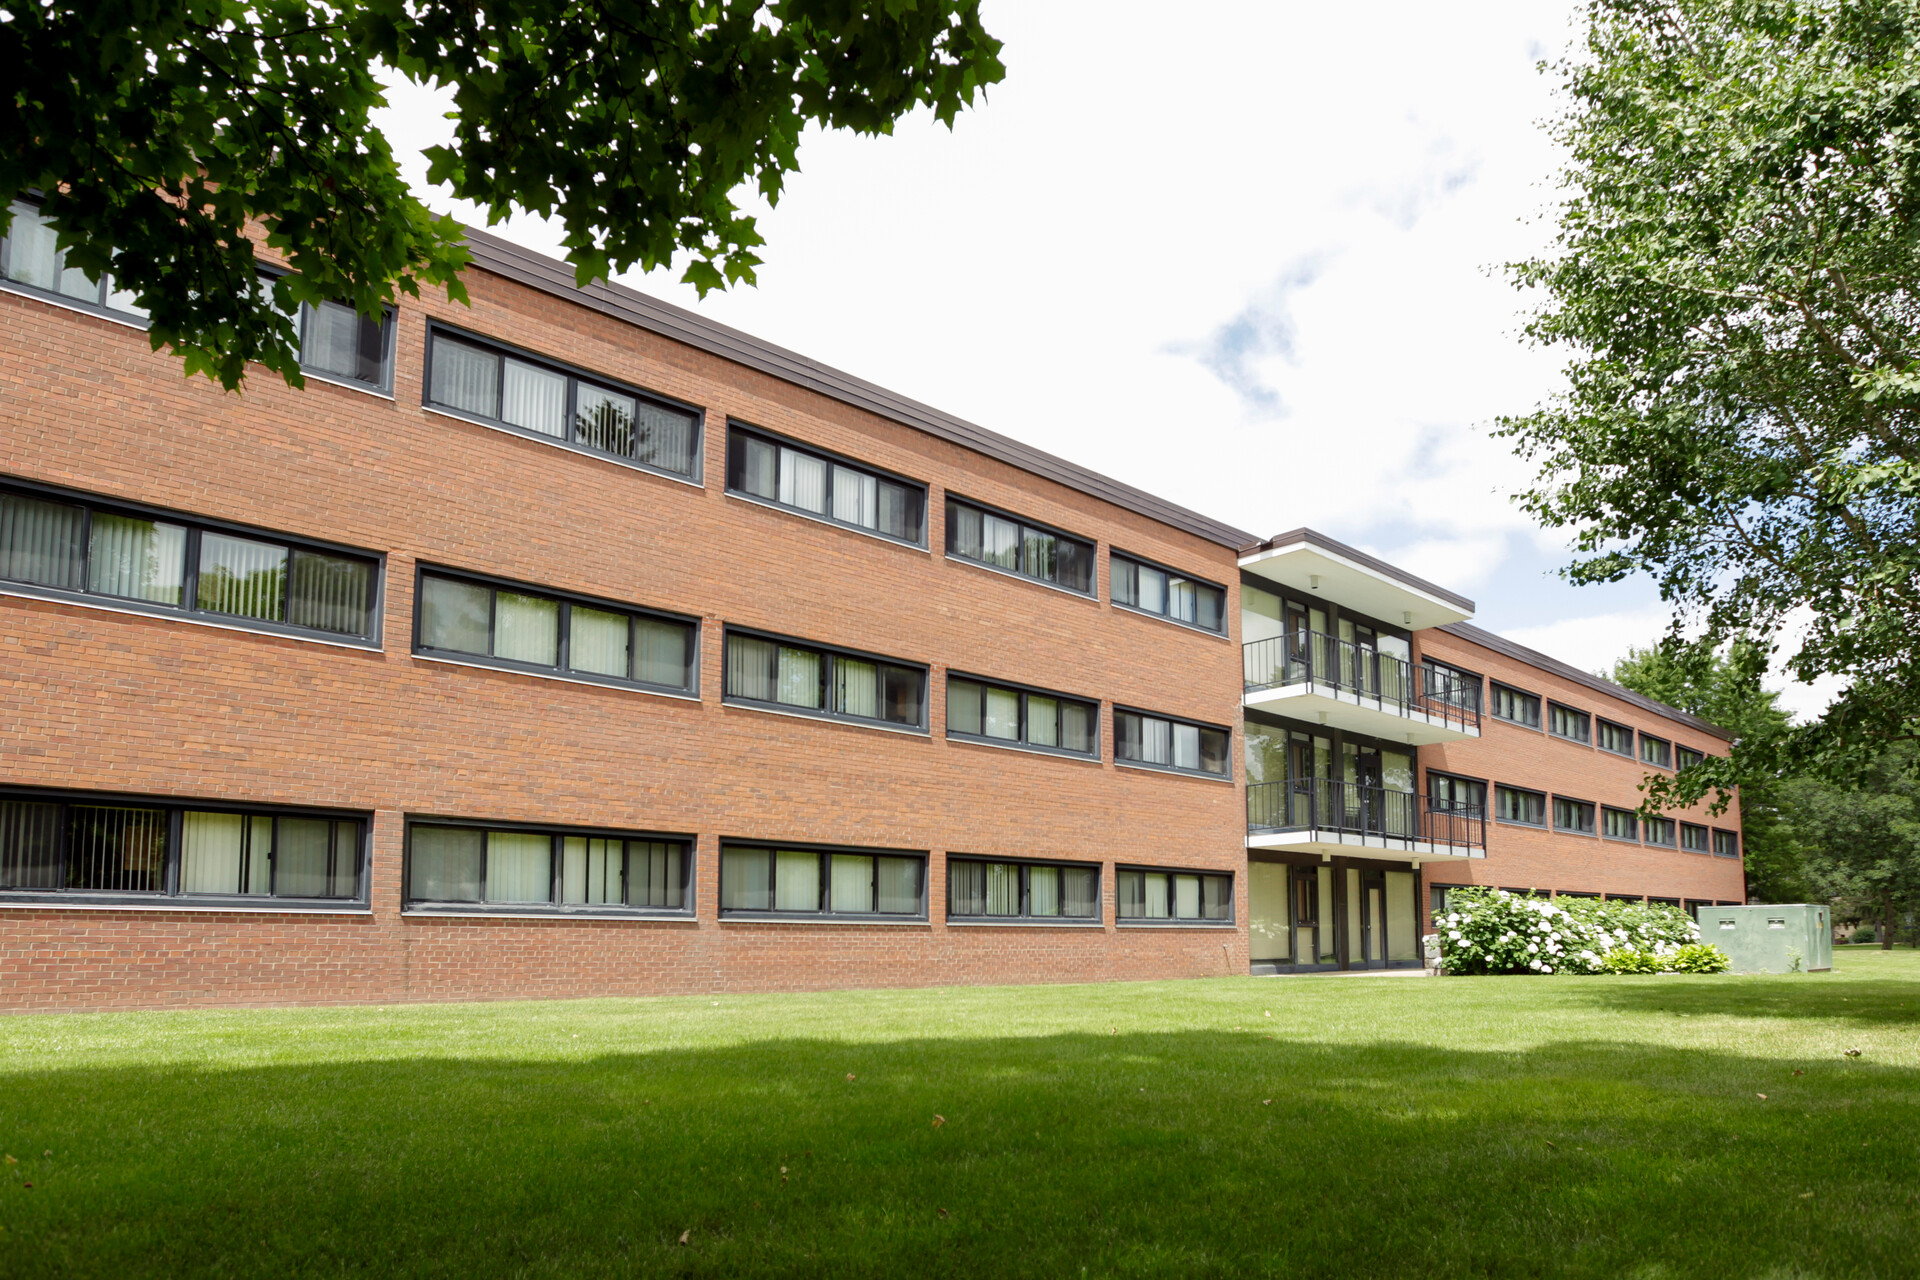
1699, 957
1493, 931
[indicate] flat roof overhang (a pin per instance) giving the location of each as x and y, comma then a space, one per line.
1355, 844
1312, 565
1356, 713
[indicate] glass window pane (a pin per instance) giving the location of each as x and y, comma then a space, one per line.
592, 871
465, 378
751, 666
1043, 721
796, 884
33, 254
534, 398
857, 688
1186, 904
1157, 906
302, 858
1040, 555
852, 887
242, 577
903, 695
212, 846
855, 497
1076, 564
40, 541
454, 615
899, 513
1153, 590
519, 867
526, 628
963, 706
803, 481
1209, 605
899, 885
1003, 889
663, 652
1043, 891
330, 593
340, 341
966, 888
1182, 600
756, 467
112, 848
77, 284
1186, 746
663, 881
1003, 714
119, 299
597, 642
1213, 753
137, 559
603, 420
1130, 889
1124, 581
1076, 726
29, 843
666, 438
445, 864
344, 880
1078, 892
1000, 542
1129, 735
964, 531
746, 880
799, 678
1156, 740
1216, 898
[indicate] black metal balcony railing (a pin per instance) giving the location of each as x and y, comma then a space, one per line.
1400, 818
1380, 679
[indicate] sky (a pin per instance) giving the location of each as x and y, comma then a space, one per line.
1249, 260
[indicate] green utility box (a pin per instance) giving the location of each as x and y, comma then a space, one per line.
1771, 939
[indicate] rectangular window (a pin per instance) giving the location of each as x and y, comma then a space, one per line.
1565, 722
1616, 738
1619, 824
989, 538
1575, 816
75, 546
789, 676
828, 488
1515, 805
1726, 844
1687, 757
552, 403
1449, 794
1515, 706
338, 342
68, 847
1163, 743
1657, 752
564, 870
523, 629
1150, 588
1693, 838
1451, 685
1000, 713
848, 883
30, 258
1021, 890
1660, 831
1193, 897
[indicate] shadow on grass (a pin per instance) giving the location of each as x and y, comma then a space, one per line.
1880, 1003
1154, 1154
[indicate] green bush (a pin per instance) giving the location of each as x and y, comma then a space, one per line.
1863, 934
1494, 931
1699, 957
1630, 960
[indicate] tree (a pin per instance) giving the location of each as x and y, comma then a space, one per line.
1734, 279
1862, 841
161, 132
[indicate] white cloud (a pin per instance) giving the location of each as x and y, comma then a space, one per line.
1594, 643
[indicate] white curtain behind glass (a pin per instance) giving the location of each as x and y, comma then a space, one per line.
1156, 741
852, 886
803, 481
534, 398
897, 881
745, 879
796, 884
750, 668
859, 688
526, 628
1043, 891
137, 559
660, 654
597, 642
519, 867
853, 497
39, 541
466, 378
799, 678
242, 577
210, 849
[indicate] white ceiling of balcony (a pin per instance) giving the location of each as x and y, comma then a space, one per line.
1314, 571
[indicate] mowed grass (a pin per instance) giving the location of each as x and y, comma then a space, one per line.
1350, 1126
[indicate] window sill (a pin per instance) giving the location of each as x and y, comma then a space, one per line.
823, 717
1172, 622
563, 677
1530, 728
1025, 922
351, 384
968, 740
1524, 826
1212, 926
567, 446
829, 521
998, 572
91, 902
134, 608
857, 922
466, 911
1563, 831
65, 303
1633, 840
1172, 771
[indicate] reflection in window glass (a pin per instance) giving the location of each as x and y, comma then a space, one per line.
242, 577
136, 559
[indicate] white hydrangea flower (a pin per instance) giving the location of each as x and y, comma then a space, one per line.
1533, 964
1533, 946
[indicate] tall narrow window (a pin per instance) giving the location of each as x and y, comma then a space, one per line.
982, 890
523, 869
848, 883
1149, 588
986, 537
1659, 831
1565, 722
1657, 752
1620, 824
783, 675
1687, 757
1172, 897
1160, 742
338, 342
1514, 805
31, 259
1575, 816
840, 492
1616, 738
1448, 794
996, 713
1693, 837
1726, 844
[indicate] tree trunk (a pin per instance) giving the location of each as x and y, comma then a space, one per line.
1886, 918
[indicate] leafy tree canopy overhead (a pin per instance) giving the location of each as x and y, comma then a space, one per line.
161, 130
1736, 282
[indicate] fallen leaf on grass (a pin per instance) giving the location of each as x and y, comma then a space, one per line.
1266, 1102
938, 1121
849, 1077
27, 1185
11, 1160
685, 1234
1550, 1144
1853, 1053
1806, 1195
48, 1154
1799, 1073
945, 1214
1761, 1096
1267, 1014
783, 1168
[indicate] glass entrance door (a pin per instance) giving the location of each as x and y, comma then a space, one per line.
1372, 951
1306, 916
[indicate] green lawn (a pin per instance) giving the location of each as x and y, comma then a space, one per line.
1382, 1126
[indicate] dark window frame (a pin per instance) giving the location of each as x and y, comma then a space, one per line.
1096, 920
1471, 680
1585, 718
575, 375
1496, 687
102, 287
1648, 826
171, 897
1591, 809
1546, 816
555, 907
1124, 762
1600, 737
1230, 921
1025, 691
1023, 525
1732, 837
736, 428
829, 652
1680, 754
825, 913
1705, 834
390, 338
1226, 596
1484, 784
1666, 751
566, 600
196, 526
1631, 816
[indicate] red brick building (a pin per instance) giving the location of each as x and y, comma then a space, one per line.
568, 643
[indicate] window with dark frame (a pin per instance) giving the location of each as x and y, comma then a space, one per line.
1529, 808
980, 889
31, 259
338, 342
1657, 752
1687, 757
77, 546
987, 537
1449, 794
815, 680
1619, 824
1565, 722
520, 628
75, 847
984, 711
758, 879
1516, 707
1658, 831
484, 867
1726, 844
1617, 738
1146, 894
1452, 685
1151, 588
547, 401
1161, 742
827, 487
1572, 816
1693, 837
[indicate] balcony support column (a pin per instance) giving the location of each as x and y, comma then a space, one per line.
1341, 942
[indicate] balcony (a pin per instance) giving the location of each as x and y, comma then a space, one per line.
1320, 815
1315, 677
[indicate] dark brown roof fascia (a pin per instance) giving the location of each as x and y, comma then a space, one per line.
549, 275
1534, 658
1379, 566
